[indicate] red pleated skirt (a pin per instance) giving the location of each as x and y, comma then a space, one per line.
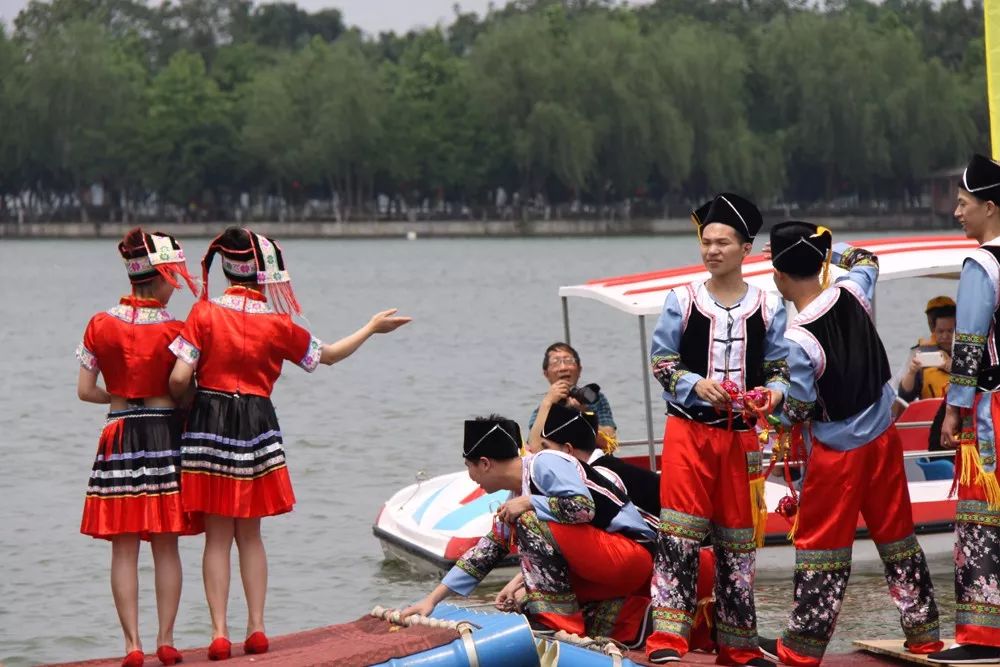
135, 481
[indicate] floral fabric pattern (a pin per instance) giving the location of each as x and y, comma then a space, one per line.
668, 370
735, 611
132, 315
799, 411
243, 304
310, 361
820, 583
977, 565
571, 509
777, 371
478, 561
86, 358
853, 256
911, 589
600, 617
545, 570
185, 351
967, 355
675, 571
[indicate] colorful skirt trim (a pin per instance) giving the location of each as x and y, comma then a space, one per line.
232, 461
135, 482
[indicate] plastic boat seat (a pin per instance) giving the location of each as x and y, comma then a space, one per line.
936, 468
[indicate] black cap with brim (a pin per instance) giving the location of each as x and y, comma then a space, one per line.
492, 438
733, 211
566, 425
799, 248
982, 179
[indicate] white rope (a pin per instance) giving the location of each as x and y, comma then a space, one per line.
463, 628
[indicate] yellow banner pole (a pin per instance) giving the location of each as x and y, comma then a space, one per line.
991, 19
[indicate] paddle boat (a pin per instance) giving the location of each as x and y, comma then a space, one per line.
431, 523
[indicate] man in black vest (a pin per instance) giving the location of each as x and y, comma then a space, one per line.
713, 336
970, 421
840, 385
578, 536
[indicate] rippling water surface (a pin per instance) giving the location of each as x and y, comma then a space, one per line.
354, 433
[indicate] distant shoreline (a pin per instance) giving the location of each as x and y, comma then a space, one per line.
449, 228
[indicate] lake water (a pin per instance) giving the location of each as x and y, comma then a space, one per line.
484, 311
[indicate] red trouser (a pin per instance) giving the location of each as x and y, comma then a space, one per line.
839, 485
585, 580
705, 485
977, 531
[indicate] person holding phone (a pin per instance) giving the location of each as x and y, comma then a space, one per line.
929, 364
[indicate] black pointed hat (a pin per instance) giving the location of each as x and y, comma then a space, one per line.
800, 248
567, 425
493, 437
982, 178
731, 210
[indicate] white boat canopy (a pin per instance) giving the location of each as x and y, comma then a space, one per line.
899, 257
643, 294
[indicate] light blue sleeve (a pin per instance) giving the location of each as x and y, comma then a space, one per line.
564, 497
861, 265
976, 296
800, 401
459, 581
776, 352
677, 380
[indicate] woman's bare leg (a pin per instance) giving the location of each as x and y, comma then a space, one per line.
167, 569
125, 586
253, 570
219, 531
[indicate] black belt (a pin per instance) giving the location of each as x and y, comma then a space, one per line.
709, 417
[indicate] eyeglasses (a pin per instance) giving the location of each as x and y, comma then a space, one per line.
562, 361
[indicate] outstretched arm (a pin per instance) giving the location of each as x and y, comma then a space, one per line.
861, 266
382, 322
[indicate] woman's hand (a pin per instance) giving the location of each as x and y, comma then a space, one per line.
423, 608
385, 322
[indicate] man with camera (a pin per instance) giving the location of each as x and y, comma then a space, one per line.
561, 367
928, 367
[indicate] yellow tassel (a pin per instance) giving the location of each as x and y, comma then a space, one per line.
795, 525
972, 466
701, 614
992, 489
607, 442
758, 507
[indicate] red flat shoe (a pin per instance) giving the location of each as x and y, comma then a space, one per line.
220, 649
256, 643
168, 655
134, 659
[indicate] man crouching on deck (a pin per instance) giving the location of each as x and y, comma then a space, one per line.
839, 382
718, 331
576, 534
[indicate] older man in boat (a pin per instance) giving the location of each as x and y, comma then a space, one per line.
970, 422
840, 386
561, 367
581, 541
928, 365
715, 339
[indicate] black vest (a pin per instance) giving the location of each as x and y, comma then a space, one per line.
696, 348
643, 485
856, 364
989, 370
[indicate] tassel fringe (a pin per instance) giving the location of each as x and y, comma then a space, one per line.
973, 474
759, 509
795, 527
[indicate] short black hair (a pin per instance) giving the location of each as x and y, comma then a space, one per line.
559, 346
934, 314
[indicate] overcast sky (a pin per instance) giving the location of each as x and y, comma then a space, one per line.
371, 15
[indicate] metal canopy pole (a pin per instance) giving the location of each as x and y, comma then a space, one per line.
565, 308
644, 356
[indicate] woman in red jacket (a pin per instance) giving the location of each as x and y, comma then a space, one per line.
134, 485
233, 463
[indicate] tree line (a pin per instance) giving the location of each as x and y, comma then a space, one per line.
224, 108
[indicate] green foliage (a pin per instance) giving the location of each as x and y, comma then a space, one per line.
192, 102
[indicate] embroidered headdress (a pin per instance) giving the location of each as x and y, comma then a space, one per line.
566, 425
149, 255
800, 248
982, 179
493, 437
732, 210
251, 257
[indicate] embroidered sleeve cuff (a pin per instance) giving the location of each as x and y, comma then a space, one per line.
571, 509
668, 370
86, 358
799, 411
185, 351
475, 564
311, 360
851, 257
967, 355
